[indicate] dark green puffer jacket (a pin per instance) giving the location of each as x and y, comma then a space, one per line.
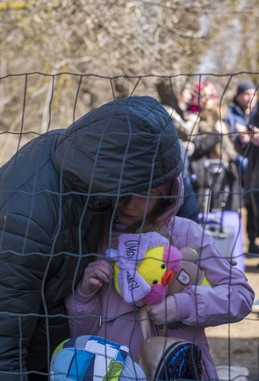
53, 194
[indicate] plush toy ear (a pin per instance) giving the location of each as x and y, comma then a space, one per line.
172, 258
189, 272
156, 295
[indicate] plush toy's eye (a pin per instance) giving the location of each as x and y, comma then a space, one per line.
163, 266
154, 281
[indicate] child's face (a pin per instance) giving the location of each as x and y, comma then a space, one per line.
134, 208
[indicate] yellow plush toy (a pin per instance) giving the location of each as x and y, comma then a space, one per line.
147, 268
144, 267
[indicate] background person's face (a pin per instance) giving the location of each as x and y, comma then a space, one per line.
134, 208
247, 99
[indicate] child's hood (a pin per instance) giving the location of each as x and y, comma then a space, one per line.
175, 196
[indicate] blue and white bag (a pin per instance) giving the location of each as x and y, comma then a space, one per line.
93, 358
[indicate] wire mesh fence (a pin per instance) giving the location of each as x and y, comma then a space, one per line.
50, 229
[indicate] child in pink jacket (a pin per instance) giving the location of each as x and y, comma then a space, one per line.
96, 308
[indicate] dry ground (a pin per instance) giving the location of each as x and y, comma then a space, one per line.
238, 344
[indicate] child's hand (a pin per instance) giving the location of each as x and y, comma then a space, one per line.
95, 274
163, 312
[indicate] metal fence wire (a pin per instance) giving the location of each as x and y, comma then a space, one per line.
51, 232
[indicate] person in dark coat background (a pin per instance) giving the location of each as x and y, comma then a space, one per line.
253, 168
253, 165
251, 150
248, 144
238, 118
53, 194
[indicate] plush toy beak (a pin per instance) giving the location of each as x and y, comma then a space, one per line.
167, 278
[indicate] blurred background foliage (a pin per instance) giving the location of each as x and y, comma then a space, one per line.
61, 58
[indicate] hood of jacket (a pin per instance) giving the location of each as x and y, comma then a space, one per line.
122, 147
175, 198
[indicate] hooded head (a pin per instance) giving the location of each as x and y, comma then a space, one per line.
125, 146
244, 86
246, 96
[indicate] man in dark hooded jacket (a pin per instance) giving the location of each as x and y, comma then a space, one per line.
238, 117
53, 195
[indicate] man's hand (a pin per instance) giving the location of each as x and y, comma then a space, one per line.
244, 134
